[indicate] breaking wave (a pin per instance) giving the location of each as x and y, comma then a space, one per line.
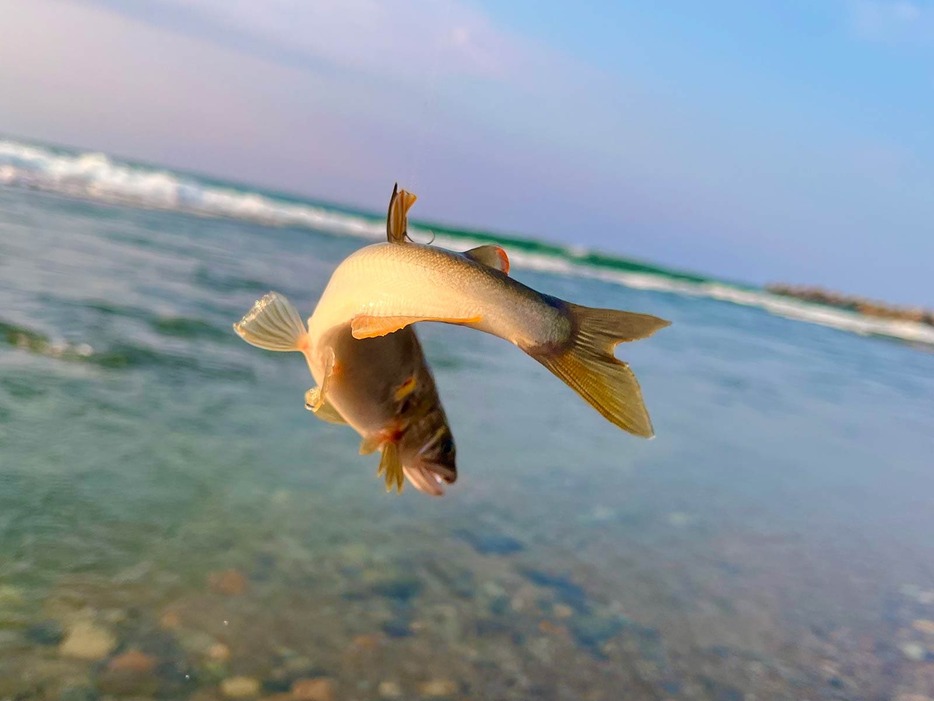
97, 176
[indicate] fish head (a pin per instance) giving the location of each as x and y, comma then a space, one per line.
427, 451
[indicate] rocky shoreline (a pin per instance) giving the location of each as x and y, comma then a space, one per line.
860, 305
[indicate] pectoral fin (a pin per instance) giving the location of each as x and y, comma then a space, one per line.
316, 399
316, 403
274, 324
366, 326
492, 256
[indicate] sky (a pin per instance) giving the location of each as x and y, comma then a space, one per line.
759, 141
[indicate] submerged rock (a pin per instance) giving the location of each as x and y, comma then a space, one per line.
170, 620
132, 661
240, 687
913, 651
132, 672
196, 642
923, 625
78, 693
488, 542
45, 633
401, 587
10, 595
562, 611
320, 689
292, 670
229, 582
566, 591
367, 641
591, 631
218, 652
438, 688
400, 625
87, 641
389, 690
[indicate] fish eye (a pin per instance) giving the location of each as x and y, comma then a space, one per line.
446, 445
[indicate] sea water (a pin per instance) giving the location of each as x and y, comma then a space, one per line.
172, 519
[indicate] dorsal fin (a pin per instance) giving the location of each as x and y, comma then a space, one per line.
396, 217
492, 256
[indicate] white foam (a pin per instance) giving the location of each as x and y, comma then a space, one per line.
98, 177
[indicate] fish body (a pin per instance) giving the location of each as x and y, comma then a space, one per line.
414, 281
371, 373
385, 287
383, 388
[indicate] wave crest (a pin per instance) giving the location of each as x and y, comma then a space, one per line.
97, 176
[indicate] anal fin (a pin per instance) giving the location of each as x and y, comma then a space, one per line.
390, 468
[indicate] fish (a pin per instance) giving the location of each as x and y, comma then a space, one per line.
383, 289
382, 387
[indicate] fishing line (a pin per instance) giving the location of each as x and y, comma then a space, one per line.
415, 159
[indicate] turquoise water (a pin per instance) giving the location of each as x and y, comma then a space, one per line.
161, 483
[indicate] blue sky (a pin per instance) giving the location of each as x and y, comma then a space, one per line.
759, 141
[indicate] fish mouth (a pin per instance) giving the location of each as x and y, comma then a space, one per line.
429, 477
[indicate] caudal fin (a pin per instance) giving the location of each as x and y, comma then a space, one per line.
273, 324
589, 366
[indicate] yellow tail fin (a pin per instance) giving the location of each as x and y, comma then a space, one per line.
589, 366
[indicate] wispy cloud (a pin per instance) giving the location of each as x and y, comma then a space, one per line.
399, 39
892, 20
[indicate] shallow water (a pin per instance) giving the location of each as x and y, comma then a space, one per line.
160, 481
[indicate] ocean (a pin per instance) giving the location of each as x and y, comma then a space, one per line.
174, 524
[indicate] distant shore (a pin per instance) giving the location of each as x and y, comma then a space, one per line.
866, 307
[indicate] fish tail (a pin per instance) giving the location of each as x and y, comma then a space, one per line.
588, 365
273, 324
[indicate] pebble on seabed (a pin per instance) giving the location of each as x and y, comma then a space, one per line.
218, 652
437, 688
87, 641
229, 582
240, 687
562, 611
913, 651
133, 661
170, 620
390, 690
129, 673
319, 689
